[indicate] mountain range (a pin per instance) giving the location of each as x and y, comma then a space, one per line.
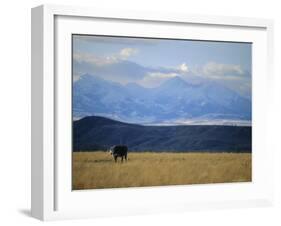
173, 100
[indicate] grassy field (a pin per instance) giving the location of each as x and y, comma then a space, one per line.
98, 169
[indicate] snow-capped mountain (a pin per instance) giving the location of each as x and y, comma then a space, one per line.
174, 100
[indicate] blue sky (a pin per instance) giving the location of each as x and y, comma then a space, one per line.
228, 63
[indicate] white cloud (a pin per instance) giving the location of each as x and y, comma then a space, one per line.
161, 75
90, 58
218, 70
127, 52
76, 77
153, 79
93, 59
183, 68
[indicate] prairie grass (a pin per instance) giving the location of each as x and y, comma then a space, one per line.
98, 169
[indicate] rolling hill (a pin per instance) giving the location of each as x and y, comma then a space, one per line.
99, 133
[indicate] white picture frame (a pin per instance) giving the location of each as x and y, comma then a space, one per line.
52, 197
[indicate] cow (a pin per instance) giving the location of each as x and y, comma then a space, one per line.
119, 151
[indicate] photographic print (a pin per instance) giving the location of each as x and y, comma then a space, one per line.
156, 112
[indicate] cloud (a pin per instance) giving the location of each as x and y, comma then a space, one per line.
183, 68
76, 77
153, 79
217, 70
127, 52
179, 69
116, 68
91, 58
161, 75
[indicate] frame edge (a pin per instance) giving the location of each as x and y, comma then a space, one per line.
37, 39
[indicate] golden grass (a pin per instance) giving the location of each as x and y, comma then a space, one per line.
98, 169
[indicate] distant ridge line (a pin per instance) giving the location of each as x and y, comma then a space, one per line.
93, 133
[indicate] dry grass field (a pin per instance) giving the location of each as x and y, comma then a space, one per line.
98, 169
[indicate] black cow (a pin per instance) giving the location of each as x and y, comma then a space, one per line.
119, 151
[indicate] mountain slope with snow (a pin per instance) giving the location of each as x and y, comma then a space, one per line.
174, 100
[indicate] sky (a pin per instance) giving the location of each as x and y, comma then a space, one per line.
149, 62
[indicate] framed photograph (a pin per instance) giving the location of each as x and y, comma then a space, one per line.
136, 113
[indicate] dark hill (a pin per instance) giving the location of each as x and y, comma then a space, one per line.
99, 133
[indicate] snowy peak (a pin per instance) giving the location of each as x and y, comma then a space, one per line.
173, 100
175, 83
